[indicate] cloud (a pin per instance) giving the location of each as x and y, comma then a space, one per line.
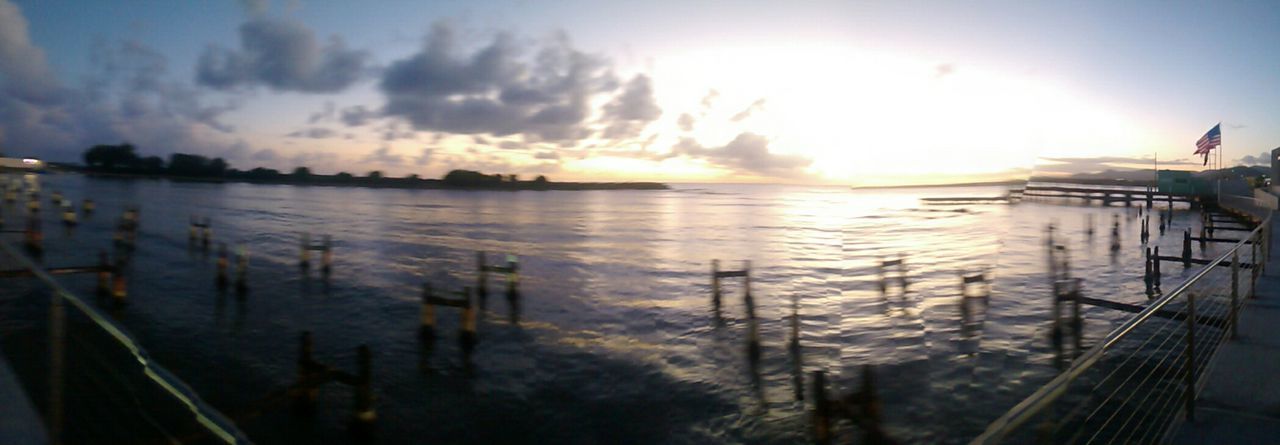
547, 155
124, 96
1263, 158
24, 72
746, 153
512, 145
283, 55
314, 133
709, 99
685, 122
632, 110
758, 105
357, 115
326, 113
498, 89
425, 157
384, 156
1097, 164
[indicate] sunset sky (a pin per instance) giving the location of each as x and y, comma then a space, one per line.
836, 92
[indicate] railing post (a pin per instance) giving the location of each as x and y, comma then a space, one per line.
1253, 259
1235, 289
1190, 391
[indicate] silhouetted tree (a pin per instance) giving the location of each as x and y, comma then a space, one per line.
302, 173
374, 175
153, 165
182, 164
343, 176
540, 179
413, 177
262, 173
111, 157
468, 178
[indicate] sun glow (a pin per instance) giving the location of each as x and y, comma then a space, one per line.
871, 117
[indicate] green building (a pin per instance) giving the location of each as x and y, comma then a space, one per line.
1181, 182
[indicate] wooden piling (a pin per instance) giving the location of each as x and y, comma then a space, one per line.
33, 237
104, 275
427, 320
513, 278
821, 410
715, 284
468, 325
242, 269
482, 275
221, 280
87, 206
326, 257
305, 392
1156, 267
304, 254
753, 328
1186, 248
119, 287
363, 413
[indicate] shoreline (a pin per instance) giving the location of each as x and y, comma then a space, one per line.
396, 183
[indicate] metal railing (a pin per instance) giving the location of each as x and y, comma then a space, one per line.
98, 384
1132, 385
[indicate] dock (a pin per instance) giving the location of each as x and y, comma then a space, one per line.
1240, 404
1105, 195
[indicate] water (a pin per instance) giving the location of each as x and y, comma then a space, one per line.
616, 340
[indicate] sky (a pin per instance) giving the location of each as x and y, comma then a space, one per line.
835, 92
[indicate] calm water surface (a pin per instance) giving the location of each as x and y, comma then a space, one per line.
616, 340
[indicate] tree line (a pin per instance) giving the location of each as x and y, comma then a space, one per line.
124, 159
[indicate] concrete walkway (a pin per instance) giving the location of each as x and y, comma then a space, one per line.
1241, 403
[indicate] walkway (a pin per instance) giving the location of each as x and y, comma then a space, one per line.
1241, 403
19, 423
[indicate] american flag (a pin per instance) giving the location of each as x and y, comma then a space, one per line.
1210, 140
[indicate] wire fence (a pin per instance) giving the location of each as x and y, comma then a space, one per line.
1142, 378
88, 378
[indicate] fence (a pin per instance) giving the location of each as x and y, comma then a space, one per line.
90, 380
1133, 385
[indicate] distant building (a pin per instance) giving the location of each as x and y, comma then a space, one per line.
24, 164
1179, 182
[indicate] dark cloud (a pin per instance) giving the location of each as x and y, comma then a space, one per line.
283, 55
631, 110
500, 90
758, 105
746, 153
265, 155
1263, 158
512, 145
314, 133
547, 155
392, 132
685, 122
124, 96
357, 115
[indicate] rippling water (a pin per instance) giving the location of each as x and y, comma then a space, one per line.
616, 341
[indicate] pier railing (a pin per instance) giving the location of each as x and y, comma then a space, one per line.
1140, 380
91, 380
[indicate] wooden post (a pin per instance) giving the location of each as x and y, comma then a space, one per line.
513, 278
715, 284
68, 214
1235, 290
193, 231
87, 206
482, 277
427, 320
242, 269
363, 414
1253, 271
1156, 266
1056, 335
304, 255
119, 288
1186, 248
902, 273
33, 237
468, 325
326, 256
1077, 323
104, 274
1146, 275
821, 410
794, 344
206, 233
305, 392
221, 280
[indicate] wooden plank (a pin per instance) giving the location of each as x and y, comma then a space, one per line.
731, 273
53, 271
452, 302
1176, 259
1219, 240
1163, 313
